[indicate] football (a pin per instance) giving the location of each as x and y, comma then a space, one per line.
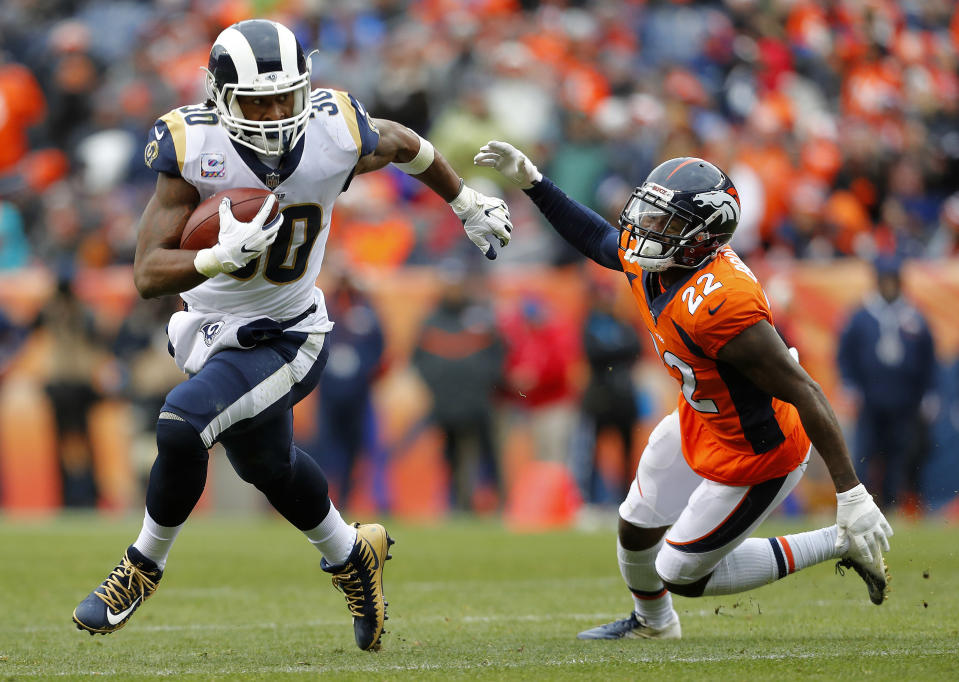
203, 228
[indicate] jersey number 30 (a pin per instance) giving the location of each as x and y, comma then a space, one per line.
289, 254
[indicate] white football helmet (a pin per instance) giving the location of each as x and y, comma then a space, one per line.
259, 57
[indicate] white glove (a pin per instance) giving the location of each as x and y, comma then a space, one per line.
509, 161
483, 219
239, 242
863, 531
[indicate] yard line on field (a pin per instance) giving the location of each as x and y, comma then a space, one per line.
466, 665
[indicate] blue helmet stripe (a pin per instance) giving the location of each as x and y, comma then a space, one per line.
265, 41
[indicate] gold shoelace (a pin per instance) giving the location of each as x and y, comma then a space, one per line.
118, 596
350, 584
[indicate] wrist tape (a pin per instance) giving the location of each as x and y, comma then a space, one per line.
420, 162
206, 263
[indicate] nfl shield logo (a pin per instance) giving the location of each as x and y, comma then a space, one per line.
272, 180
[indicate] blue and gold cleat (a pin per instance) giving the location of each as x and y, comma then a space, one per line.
110, 606
360, 578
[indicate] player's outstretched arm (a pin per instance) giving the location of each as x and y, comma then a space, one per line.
759, 353
580, 226
485, 219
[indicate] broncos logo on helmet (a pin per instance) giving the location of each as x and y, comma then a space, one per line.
724, 202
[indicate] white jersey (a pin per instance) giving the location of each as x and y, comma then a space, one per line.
190, 143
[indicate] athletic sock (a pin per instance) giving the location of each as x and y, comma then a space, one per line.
760, 561
156, 541
334, 537
808, 549
651, 600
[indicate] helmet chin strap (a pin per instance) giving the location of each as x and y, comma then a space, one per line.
654, 264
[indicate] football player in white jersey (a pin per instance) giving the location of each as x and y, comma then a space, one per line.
251, 336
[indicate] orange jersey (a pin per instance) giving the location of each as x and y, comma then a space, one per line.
732, 432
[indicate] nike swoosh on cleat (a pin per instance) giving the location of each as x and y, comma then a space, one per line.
113, 619
243, 249
376, 559
712, 311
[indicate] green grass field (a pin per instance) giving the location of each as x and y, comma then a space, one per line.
245, 599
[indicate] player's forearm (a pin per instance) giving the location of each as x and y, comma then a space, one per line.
586, 230
162, 272
159, 267
822, 427
440, 177
416, 157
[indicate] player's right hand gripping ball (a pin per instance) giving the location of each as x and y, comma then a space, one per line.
239, 241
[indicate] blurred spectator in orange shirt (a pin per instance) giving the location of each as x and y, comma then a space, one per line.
22, 105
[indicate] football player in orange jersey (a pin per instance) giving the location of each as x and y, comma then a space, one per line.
739, 440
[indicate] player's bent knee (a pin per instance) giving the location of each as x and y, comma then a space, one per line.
636, 538
693, 589
683, 573
176, 436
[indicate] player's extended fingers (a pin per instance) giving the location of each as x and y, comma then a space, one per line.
272, 229
486, 159
274, 224
883, 540
874, 545
265, 209
225, 208
862, 548
502, 148
886, 528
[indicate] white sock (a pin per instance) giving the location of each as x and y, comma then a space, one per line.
334, 537
156, 541
650, 598
760, 561
809, 548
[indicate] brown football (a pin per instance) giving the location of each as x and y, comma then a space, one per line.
203, 228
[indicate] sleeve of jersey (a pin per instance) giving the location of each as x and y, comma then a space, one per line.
583, 228
164, 150
358, 122
737, 311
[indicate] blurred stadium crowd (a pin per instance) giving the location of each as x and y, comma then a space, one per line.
837, 120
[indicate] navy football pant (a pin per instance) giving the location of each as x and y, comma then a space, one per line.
243, 399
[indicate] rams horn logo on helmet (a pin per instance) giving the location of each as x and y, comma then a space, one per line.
721, 200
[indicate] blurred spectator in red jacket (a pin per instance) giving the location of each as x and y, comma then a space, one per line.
542, 348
